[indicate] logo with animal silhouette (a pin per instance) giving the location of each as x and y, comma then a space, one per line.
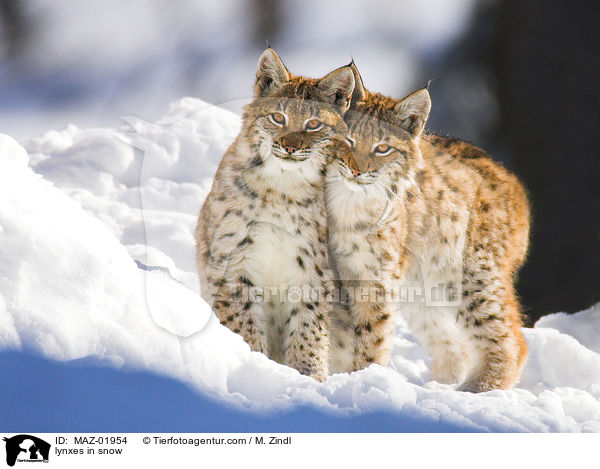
26, 448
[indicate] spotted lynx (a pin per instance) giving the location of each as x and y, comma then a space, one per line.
263, 229
421, 213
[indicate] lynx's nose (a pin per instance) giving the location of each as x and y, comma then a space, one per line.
344, 153
352, 164
354, 168
292, 142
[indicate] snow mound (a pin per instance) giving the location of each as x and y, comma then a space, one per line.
97, 260
583, 326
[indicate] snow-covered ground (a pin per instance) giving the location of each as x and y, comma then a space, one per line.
97, 261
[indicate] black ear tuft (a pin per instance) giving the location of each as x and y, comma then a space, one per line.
271, 74
359, 92
412, 112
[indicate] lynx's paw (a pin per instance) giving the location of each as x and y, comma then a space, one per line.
475, 386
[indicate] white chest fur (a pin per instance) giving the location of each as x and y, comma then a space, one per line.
271, 260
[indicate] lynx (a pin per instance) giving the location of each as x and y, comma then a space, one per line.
432, 217
262, 231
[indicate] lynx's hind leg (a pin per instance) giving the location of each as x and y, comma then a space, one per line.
490, 314
497, 244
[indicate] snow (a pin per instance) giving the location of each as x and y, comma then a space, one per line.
583, 326
97, 263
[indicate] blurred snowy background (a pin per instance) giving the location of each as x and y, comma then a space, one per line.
94, 61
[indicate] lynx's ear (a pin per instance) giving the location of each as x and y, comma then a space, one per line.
271, 74
412, 112
337, 87
360, 92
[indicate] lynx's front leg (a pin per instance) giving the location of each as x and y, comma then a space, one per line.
373, 324
341, 340
235, 310
307, 344
437, 329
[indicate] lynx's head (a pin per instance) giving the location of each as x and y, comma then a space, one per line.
384, 155
292, 123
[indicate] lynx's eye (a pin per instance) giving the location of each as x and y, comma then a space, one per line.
312, 125
277, 118
350, 141
382, 149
